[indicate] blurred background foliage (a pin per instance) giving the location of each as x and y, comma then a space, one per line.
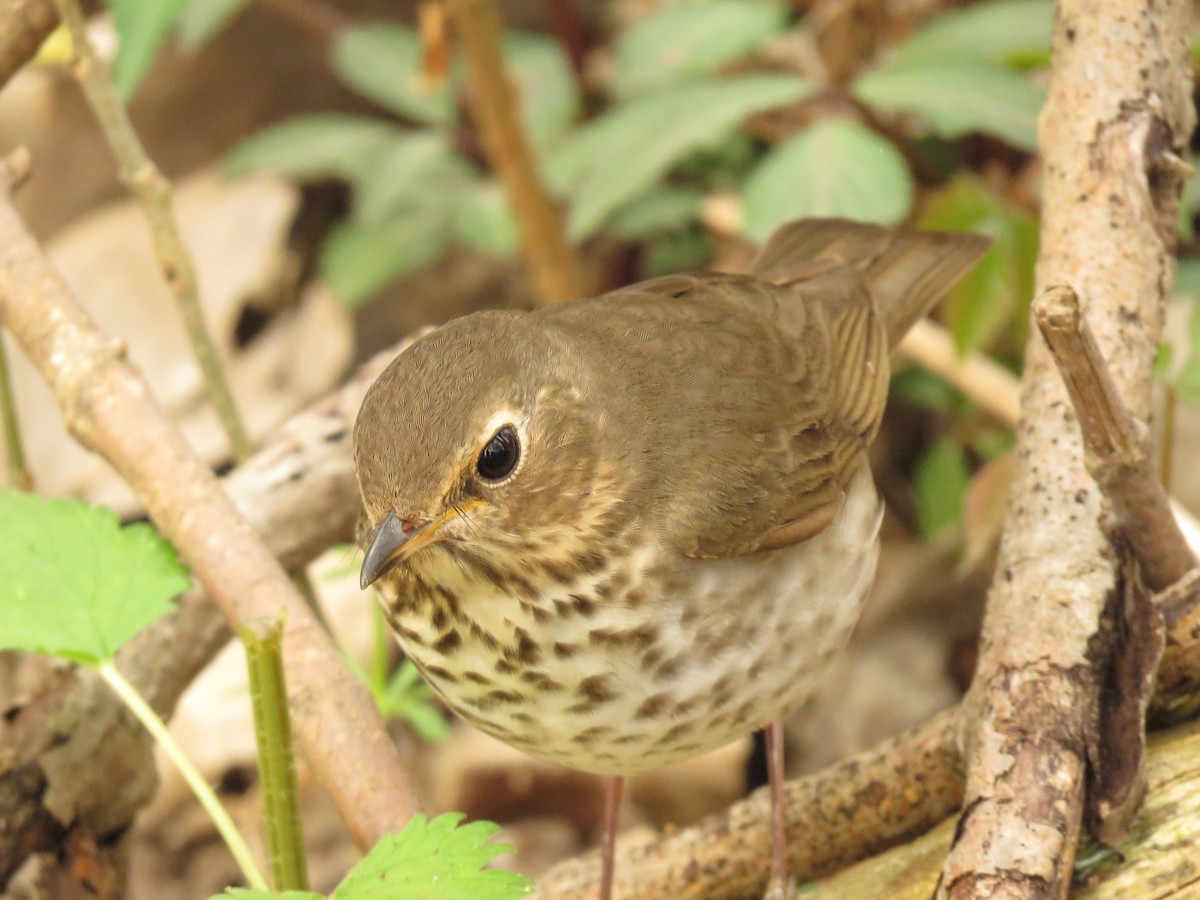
689, 124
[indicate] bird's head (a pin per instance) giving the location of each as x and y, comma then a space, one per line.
476, 441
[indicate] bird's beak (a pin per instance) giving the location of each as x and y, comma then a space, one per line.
393, 541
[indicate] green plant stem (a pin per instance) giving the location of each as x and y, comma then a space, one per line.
263, 643
158, 730
142, 177
14, 452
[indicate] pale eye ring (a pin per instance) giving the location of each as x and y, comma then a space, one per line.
499, 457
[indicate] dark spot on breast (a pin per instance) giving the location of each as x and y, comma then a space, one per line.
334, 436
597, 688
565, 651
589, 736
448, 643
483, 636
677, 731
683, 707
585, 606
652, 706
540, 615
476, 678
439, 672
590, 562
558, 573
527, 649
505, 666
669, 668
407, 634
541, 681
439, 619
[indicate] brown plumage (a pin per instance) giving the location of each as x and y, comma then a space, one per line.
628, 529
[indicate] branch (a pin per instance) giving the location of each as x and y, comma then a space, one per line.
24, 25
143, 178
1116, 445
1054, 611
108, 408
1160, 851
495, 108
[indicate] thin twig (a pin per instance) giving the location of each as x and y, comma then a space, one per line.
142, 177
14, 451
495, 108
109, 409
1116, 445
24, 25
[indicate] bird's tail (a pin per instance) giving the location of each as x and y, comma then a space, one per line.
908, 271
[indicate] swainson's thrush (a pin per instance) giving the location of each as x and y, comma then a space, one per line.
626, 530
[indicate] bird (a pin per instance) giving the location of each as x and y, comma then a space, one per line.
628, 529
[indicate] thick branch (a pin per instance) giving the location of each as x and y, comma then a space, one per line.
1119, 103
107, 406
497, 114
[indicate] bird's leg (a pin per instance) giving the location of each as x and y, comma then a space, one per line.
613, 784
778, 886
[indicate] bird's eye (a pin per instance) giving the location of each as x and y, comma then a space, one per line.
500, 455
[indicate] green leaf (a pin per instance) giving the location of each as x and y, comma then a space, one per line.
546, 85
74, 583
995, 295
358, 260
437, 860
141, 25
483, 222
660, 209
941, 481
314, 147
833, 168
675, 251
202, 19
679, 42
958, 96
383, 63
622, 153
413, 169
923, 389
999, 31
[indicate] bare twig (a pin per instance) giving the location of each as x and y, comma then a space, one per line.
142, 177
1048, 648
24, 25
496, 111
14, 451
1116, 446
107, 407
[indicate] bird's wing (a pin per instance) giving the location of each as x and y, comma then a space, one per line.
837, 295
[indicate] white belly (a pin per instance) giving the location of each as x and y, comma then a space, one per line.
684, 664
